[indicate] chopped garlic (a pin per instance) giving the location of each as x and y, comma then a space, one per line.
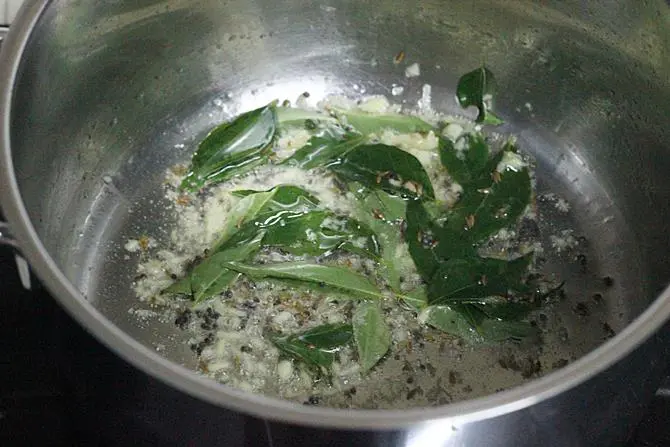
425, 102
511, 161
133, 246
285, 370
562, 205
413, 71
411, 141
453, 131
291, 140
564, 241
337, 102
375, 104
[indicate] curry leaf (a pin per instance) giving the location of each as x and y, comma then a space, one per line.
317, 290
453, 322
181, 287
210, 278
300, 233
382, 212
372, 335
261, 206
244, 211
385, 167
243, 231
445, 256
482, 212
466, 165
416, 299
382, 206
459, 280
294, 116
493, 201
233, 148
421, 234
499, 330
389, 237
319, 232
472, 315
337, 277
450, 321
327, 336
317, 346
323, 149
503, 308
372, 123
284, 197
304, 353
290, 220
477, 88
492, 119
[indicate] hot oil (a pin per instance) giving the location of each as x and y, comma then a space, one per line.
429, 367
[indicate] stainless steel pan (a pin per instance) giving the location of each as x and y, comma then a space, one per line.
97, 99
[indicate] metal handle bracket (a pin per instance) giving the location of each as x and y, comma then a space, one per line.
21, 264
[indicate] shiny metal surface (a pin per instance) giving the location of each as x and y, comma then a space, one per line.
6, 236
22, 267
99, 98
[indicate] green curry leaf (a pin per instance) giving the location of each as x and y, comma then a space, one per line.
284, 217
332, 276
327, 336
382, 206
467, 165
233, 148
316, 346
492, 119
371, 123
284, 197
382, 214
319, 232
477, 88
460, 280
246, 210
483, 211
323, 149
494, 198
500, 330
474, 327
181, 287
450, 321
210, 278
299, 233
422, 234
416, 299
261, 206
372, 335
294, 116
241, 238
389, 238
502, 308
385, 167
